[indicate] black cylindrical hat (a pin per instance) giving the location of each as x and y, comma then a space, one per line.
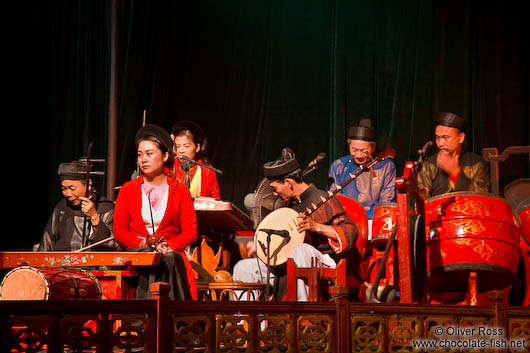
451, 120
74, 170
281, 167
363, 131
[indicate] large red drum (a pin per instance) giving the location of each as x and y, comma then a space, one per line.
523, 215
52, 283
358, 215
383, 221
470, 232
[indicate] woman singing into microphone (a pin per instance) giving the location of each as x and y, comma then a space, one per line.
190, 142
155, 213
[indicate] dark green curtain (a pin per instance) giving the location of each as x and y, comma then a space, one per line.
262, 75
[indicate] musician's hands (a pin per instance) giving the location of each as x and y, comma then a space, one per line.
306, 223
448, 163
163, 248
89, 209
143, 242
251, 248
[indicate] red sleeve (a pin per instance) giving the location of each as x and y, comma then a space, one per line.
213, 189
124, 207
186, 218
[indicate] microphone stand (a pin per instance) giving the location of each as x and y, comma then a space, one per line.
189, 160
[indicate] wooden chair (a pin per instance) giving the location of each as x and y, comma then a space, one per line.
317, 278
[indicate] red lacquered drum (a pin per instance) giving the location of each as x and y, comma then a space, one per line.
383, 221
357, 213
52, 283
470, 232
523, 215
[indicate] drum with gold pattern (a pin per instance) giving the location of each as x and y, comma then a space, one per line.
52, 283
470, 232
383, 221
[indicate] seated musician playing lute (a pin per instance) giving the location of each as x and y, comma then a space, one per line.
331, 234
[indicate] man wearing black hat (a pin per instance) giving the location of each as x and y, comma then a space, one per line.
373, 187
451, 168
77, 220
331, 234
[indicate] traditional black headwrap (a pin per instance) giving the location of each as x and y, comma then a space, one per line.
195, 129
282, 167
451, 120
364, 131
74, 170
159, 134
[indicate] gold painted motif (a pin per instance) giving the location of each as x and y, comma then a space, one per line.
468, 227
471, 207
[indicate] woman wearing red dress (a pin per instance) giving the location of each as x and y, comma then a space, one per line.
155, 213
190, 142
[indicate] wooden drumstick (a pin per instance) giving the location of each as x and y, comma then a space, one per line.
95, 244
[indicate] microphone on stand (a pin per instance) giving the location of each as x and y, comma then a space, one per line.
184, 159
313, 164
185, 167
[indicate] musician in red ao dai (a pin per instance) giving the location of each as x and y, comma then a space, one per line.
330, 235
157, 206
190, 142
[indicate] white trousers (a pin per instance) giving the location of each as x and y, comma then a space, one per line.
255, 271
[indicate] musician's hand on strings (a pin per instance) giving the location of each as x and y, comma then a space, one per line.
306, 223
89, 209
251, 248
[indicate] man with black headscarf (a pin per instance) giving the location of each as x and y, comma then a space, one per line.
77, 220
452, 168
330, 236
369, 189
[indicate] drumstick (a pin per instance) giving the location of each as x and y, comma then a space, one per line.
95, 244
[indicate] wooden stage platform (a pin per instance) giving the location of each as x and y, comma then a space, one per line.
163, 326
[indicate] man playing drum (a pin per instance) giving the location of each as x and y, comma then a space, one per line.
83, 213
369, 189
330, 233
452, 168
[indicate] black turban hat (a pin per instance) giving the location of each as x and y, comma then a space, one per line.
364, 131
451, 120
74, 170
280, 168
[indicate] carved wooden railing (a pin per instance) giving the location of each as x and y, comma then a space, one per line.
161, 325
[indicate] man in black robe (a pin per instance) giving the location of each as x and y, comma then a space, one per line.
77, 220
452, 168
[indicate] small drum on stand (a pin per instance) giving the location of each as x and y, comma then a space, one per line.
53, 283
383, 221
470, 232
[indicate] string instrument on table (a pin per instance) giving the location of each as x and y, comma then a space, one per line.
277, 233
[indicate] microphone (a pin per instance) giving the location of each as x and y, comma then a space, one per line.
317, 159
184, 158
